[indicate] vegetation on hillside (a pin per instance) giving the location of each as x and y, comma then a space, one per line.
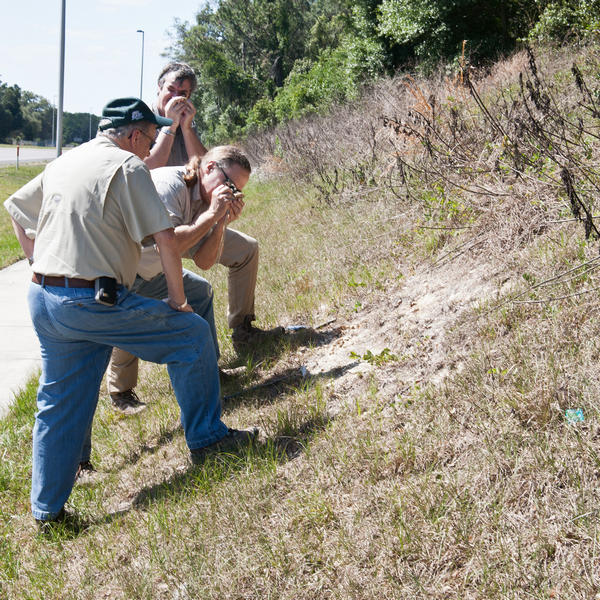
266, 62
447, 224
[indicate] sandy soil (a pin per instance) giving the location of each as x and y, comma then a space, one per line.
411, 319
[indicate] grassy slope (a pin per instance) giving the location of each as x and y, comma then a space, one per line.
472, 486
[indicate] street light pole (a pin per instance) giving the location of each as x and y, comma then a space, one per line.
142, 71
53, 118
61, 81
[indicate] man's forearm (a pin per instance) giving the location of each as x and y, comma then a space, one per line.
26, 243
159, 155
171, 264
189, 235
211, 249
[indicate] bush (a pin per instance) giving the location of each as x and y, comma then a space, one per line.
564, 18
261, 116
335, 77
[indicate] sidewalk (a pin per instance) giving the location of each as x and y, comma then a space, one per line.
19, 347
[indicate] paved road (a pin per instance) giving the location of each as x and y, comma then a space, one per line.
8, 156
19, 347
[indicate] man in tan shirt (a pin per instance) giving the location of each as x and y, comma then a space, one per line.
82, 221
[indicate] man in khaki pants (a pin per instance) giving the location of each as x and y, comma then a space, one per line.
174, 146
200, 213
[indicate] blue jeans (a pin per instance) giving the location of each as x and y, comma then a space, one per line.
122, 372
197, 290
76, 337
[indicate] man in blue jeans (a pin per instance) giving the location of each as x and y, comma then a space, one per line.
82, 222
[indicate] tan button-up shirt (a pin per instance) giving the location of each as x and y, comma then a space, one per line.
183, 204
89, 211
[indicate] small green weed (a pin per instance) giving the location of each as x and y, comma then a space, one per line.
383, 357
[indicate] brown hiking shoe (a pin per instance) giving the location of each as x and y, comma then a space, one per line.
246, 334
233, 440
127, 402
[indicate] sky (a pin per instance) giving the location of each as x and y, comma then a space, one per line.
103, 51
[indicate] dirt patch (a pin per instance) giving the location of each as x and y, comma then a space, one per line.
410, 319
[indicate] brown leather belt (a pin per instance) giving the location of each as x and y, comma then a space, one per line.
72, 282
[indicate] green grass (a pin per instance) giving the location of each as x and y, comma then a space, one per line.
151, 517
11, 179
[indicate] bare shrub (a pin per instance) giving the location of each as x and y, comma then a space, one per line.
500, 150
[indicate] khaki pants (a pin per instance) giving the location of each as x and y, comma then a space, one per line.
240, 256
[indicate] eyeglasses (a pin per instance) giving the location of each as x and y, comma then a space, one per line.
228, 182
152, 140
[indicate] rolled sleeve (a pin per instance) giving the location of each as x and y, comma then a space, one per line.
24, 205
142, 210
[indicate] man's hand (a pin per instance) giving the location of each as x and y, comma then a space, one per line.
236, 207
220, 202
171, 264
187, 118
185, 307
176, 108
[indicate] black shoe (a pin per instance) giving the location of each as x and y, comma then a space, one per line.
225, 377
85, 472
64, 523
233, 440
127, 402
47, 526
246, 334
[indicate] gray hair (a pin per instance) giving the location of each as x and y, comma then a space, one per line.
117, 133
224, 156
182, 72
227, 156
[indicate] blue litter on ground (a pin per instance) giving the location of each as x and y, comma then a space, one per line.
574, 415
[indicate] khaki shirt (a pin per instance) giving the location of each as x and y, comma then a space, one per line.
183, 204
178, 155
89, 211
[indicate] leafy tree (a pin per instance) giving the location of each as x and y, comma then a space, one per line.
264, 61
79, 127
432, 30
560, 18
37, 117
26, 115
242, 51
11, 114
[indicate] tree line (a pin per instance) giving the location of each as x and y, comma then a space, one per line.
27, 116
263, 62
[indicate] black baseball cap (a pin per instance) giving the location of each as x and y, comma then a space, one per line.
124, 111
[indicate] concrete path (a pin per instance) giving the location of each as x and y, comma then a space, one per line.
8, 155
19, 347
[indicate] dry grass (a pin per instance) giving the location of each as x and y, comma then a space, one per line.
441, 468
